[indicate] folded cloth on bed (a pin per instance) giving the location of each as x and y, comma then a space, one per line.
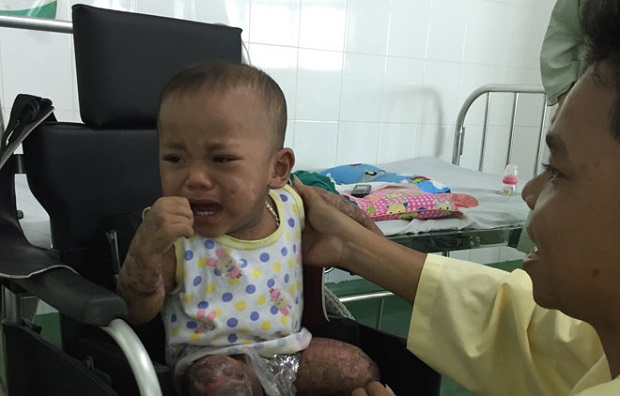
404, 203
365, 173
314, 179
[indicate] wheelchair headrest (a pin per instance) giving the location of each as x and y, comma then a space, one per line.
123, 60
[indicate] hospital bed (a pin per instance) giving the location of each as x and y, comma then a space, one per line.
508, 114
498, 220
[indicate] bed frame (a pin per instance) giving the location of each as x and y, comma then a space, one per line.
447, 241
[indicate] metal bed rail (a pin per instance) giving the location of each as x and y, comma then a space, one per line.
37, 24
370, 296
40, 24
488, 90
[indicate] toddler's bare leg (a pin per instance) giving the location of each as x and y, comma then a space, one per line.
221, 375
331, 367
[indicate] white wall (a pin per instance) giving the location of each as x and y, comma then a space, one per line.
365, 80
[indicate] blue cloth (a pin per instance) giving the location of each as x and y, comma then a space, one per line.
366, 173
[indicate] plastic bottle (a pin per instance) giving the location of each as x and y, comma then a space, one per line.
509, 180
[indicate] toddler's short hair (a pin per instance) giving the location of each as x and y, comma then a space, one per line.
225, 75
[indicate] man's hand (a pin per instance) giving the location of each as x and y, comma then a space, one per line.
374, 389
329, 218
332, 239
348, 208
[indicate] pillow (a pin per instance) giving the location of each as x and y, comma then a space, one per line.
353, 173
366, 173
391, 203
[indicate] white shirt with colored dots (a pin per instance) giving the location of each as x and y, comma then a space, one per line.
233, 295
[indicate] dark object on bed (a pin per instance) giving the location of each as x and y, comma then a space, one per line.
94, 179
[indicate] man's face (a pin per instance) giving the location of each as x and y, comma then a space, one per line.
575, 222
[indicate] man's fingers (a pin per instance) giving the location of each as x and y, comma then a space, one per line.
378, 389
306, 193
374, 389
359, 392
351, 210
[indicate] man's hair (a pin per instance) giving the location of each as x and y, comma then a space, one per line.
222, 76
600, 21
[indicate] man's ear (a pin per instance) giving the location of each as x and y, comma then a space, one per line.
283, 163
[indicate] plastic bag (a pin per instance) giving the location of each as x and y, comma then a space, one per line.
276, 374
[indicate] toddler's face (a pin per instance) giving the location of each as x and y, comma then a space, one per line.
216, 150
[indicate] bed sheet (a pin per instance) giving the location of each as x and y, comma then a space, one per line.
493, 211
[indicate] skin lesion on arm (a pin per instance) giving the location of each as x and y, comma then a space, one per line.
144, 282
333, 238
348, 208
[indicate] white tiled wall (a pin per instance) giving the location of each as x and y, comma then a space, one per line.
365, 80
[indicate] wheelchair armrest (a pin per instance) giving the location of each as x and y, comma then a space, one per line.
75, 296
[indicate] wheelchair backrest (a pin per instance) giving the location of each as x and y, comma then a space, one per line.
84, 173
81, 173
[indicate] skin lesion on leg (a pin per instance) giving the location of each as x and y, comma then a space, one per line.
326, 367
331, 367
221, 375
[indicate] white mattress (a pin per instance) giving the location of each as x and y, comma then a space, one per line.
493, 211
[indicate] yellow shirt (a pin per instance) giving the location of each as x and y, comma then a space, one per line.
481, 327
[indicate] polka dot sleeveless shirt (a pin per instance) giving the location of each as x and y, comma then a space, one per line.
233, 294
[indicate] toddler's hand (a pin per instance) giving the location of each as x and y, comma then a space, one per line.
149, 267
169, 219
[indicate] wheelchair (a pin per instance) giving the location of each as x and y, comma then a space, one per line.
94, 179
